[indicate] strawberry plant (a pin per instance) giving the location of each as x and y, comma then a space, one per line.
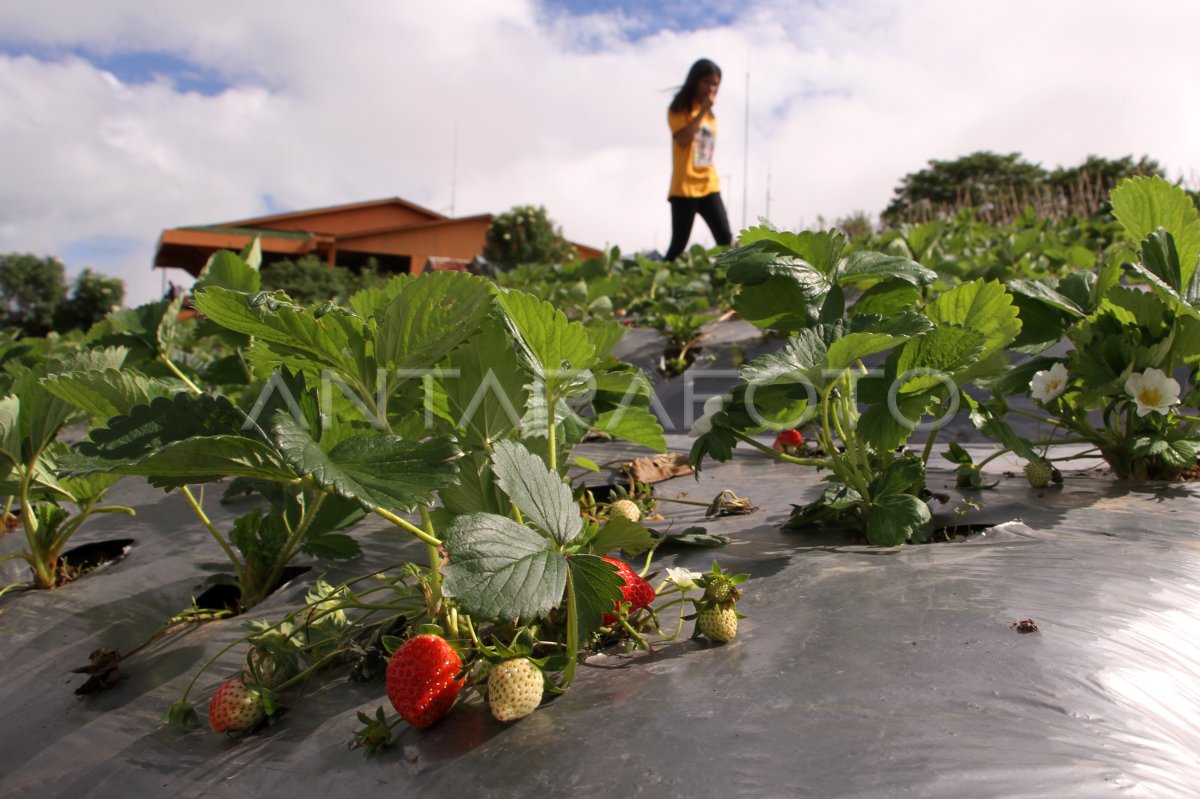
1134, 330
31, 419
863, 374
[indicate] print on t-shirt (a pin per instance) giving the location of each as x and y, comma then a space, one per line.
706, 142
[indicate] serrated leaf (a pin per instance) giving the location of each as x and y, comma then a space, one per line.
887, 298
148, 428
1160, 257
487, 397
298, 339
777, 291
106, 393
550, 342
595, 588
633, 424
229, 271
1042, 292
376, 469
537, 491
194, 460
330, 546
896, 518
821, 249
884, 429
1143, 204
853, 347
476, 489
982, 305
430, 316
501, 569
803, 352
865, 265
619, 533
926, 361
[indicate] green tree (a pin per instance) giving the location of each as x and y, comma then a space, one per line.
309, 280
1086, 187
92, 298
525, 235
31, 289
972, 180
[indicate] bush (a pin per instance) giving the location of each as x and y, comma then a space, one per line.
525, 235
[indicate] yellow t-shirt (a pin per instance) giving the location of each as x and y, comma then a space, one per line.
693, 173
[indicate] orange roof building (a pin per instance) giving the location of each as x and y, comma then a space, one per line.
398, 235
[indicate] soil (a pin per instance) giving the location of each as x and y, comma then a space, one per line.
667, 366
87, 558
228, 597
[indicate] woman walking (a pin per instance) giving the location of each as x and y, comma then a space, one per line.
695, 187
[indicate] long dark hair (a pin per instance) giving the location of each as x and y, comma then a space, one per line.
687, 92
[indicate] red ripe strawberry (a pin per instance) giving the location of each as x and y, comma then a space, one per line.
636, 591
421, 679
788, 440
234, 708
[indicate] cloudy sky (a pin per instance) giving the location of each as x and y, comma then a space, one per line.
124, 117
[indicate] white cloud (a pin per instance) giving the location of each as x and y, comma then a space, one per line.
358, 100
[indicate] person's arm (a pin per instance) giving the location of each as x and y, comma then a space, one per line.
683, 137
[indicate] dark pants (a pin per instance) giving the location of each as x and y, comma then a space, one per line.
683, 213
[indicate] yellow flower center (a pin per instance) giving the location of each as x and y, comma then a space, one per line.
1150, 396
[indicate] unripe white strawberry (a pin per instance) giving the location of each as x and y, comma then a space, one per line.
718, 622
626, 509
514, 689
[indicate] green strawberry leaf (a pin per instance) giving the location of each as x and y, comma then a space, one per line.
853, 347
551, 344
896, 518
821, 249
633, 424
106, 393
476, 490
1142, 205
537, 491
620, 534
145, 429
229, 271
981, 305
500, 569
431, 315
298, 339
926, 361
777, 291
595, 587
803, 352
887, 298
376, 469
866, 265
487, 397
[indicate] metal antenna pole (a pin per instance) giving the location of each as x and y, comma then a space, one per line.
746, 151
454, 169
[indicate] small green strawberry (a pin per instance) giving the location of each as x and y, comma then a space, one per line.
626, 509
514, 689
718, 622
235, 708
721, 586
1038, 473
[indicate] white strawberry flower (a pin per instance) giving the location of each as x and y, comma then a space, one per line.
1049, 383
1152, 390
712, 406
684, 578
